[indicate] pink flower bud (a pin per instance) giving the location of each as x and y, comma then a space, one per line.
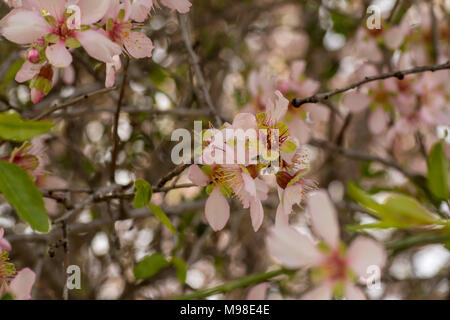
33, 55
37, 95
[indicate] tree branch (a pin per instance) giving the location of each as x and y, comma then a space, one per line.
321, 97
116, 122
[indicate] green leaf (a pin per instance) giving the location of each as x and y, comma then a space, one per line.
438, 172
398, 211
143, 193
12, 127
157, 211
21, 192
181, 267
150, 266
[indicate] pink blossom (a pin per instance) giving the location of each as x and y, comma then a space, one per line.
121, 30
336, 267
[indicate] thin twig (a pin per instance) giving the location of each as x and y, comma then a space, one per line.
176, 171
196, 64
116, 122
72, 102
321, 97
80, 206
357, 155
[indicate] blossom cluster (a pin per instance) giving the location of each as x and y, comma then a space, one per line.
52, 29
271, 151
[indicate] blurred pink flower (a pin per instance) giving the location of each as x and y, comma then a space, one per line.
336, 268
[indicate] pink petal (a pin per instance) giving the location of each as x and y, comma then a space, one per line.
277, 107
244, 121
58, 55
318, 112
281, 219
28, 71
249, 184
4, 244
262, 189
258, 292
93, 11
56, 8
356, 101
98, 46
321, 292
138, 45
291, 248
394, 37
197, 176
297, 69
290, 196
182, 6
23, 26
365, 252
378, 121
22, 284
256, 213
140, 10
217, 210
36, 95
352, 292
300, 129
111, 70
69, 75
323, 217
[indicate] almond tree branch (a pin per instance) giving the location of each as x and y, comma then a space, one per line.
322, 97
116, 121
73, 101
182, 19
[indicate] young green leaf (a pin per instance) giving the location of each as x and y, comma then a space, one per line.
12, 127
438, 172
398, 211
150, 266
21, 192
181, 268
143, 193
157, 211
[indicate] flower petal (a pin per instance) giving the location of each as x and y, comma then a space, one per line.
22, 284
92, 11
28, 71
182, 6
291, 248
138, 45
217, 210
258, 292
196, 175
140, 10
356, 101
321, 292
378, 121
244, 121
98, 46
23, 26
363, 253
323, 217
56, 8
58, 55
256, 213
